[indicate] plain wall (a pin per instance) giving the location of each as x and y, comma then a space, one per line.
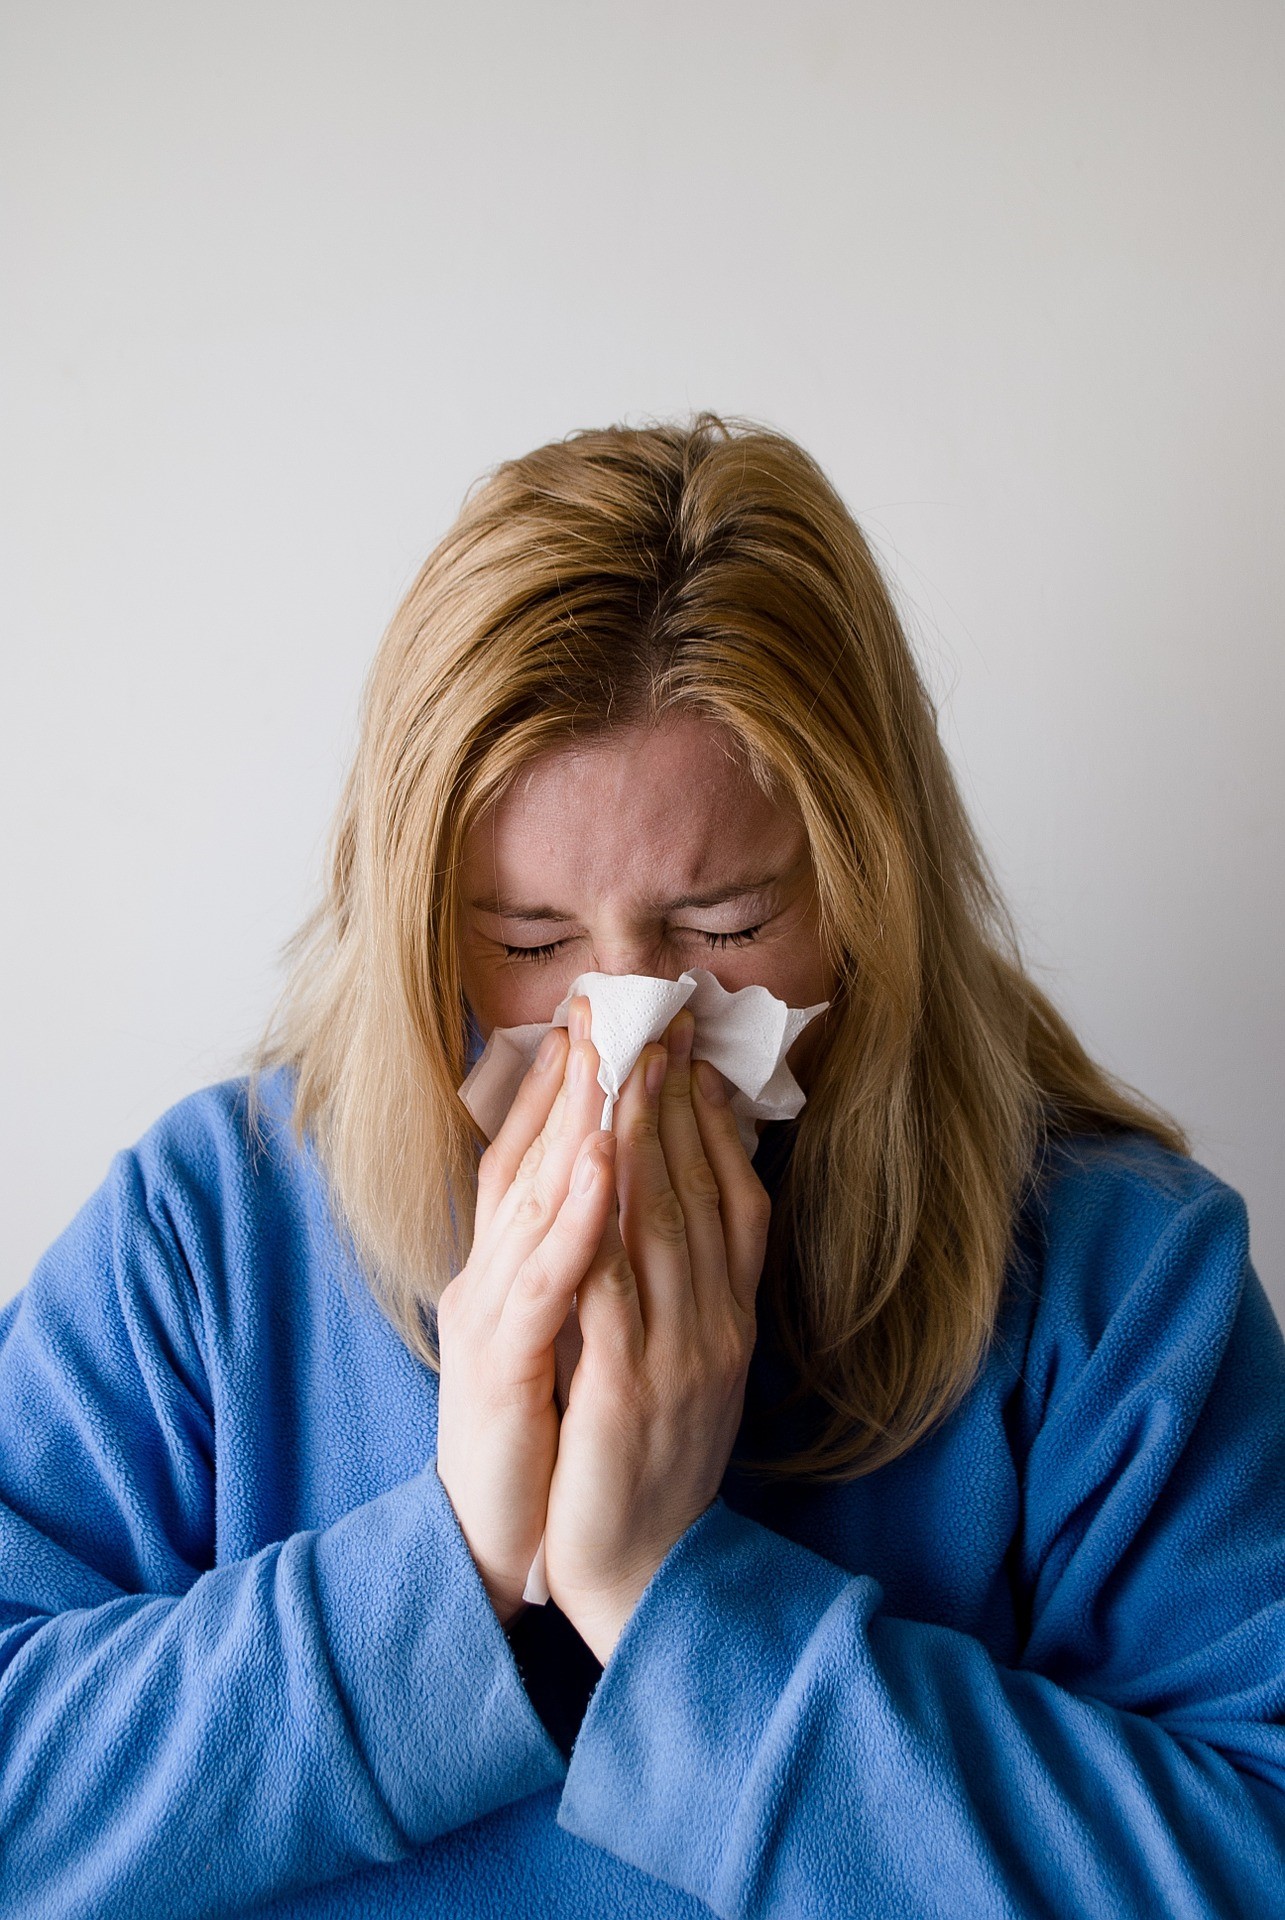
281, 280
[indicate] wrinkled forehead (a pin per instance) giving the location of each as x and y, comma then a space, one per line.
641, 814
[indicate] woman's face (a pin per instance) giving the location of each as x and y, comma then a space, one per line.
647, 852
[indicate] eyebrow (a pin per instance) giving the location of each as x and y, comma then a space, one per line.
740, 890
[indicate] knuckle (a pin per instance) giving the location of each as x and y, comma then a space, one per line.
533, 1208
666, 1216
448, 1308
535, 1279
758, 1208
461, 1323
531, 1159
491, 1170
616, 1273
701, 1185
676, 1087
731, 1352
643, 1131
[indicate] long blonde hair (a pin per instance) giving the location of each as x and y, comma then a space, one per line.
709, 568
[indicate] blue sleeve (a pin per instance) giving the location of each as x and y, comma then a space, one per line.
335, 1701
768, 1739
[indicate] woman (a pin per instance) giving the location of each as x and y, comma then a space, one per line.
915, 1528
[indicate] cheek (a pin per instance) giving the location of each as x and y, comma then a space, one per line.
791, 965
506, 993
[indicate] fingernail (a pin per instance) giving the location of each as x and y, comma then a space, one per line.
711, 1083
656, 1073
681, 1037
577, 1065
548, 1050
586, 1171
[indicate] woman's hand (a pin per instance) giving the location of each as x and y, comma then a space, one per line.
534, 1237
667, 1316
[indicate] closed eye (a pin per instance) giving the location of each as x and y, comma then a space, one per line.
717, 940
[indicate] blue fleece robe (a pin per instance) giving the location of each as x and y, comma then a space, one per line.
1035, 1667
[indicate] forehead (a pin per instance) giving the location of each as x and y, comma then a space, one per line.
639, 812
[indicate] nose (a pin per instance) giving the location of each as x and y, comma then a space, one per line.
637, 969
637, 956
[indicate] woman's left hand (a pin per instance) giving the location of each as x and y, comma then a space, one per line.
666, 1314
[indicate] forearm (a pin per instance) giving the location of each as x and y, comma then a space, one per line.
767, 1740
336, 1701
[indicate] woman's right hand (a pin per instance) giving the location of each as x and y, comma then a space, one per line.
534, 1237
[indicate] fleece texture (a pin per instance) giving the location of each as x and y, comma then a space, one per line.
1035, 1667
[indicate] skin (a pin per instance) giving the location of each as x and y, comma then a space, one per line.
663, 1253
608, 836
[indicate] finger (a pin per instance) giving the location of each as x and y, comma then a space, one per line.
746, 1206
607, 1302
530, 1112
539, 1298
653, 1226
524, 1214
691, 1176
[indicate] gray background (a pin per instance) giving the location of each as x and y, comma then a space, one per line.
281, 280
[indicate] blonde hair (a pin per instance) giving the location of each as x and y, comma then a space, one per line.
608, 580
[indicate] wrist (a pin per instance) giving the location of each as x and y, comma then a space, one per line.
506, 1604
507, 1610
601, 1621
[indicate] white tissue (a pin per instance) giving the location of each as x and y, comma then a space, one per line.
745, 1034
